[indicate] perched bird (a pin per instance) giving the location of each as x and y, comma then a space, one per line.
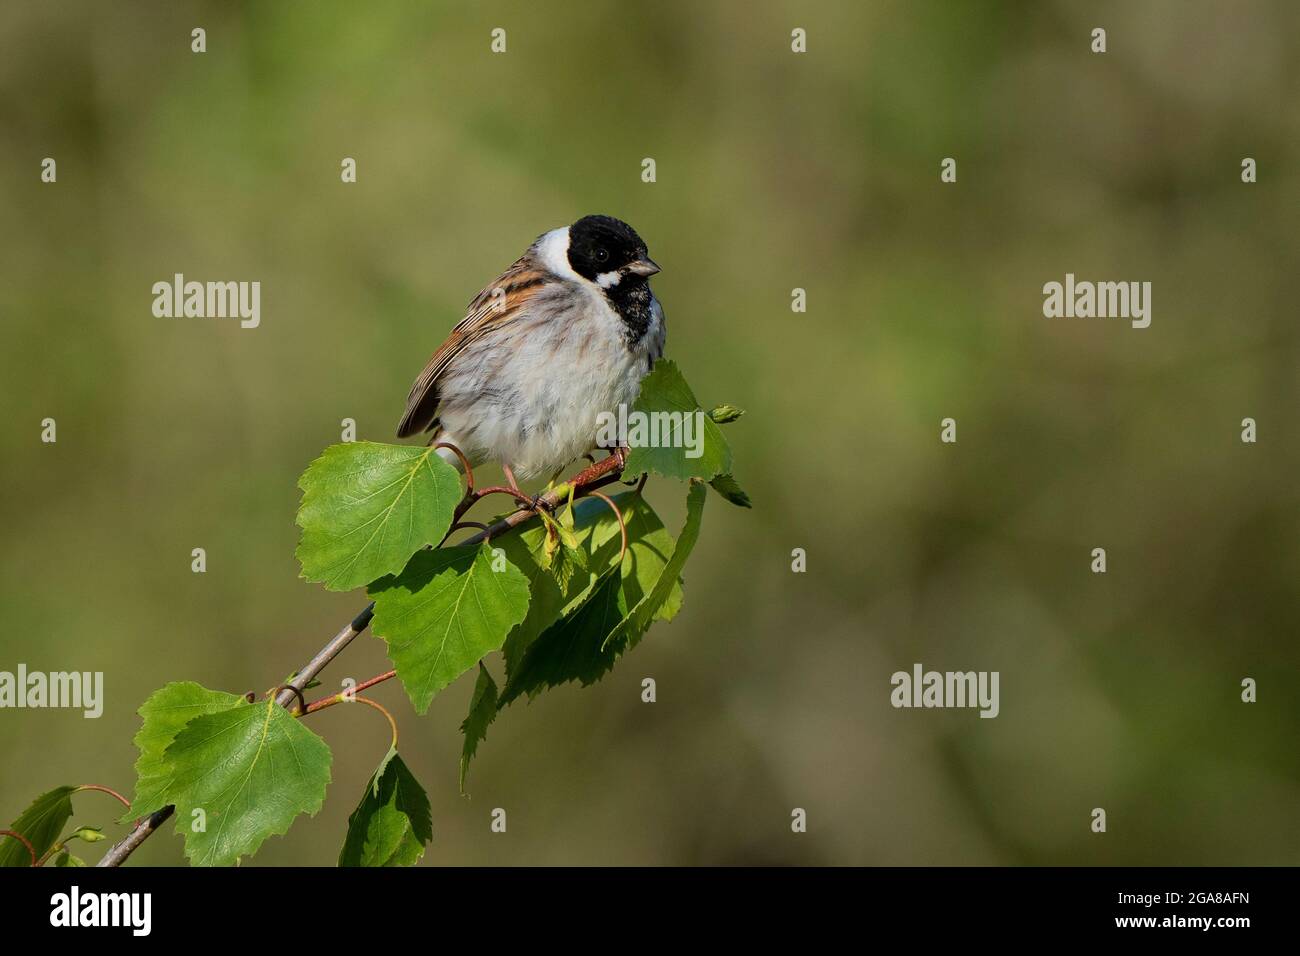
565, 333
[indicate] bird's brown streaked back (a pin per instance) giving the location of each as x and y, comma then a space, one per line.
487, 311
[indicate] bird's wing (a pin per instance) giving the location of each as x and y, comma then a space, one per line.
498, 303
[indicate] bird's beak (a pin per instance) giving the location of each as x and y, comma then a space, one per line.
644, 267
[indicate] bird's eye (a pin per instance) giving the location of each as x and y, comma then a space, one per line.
602, 255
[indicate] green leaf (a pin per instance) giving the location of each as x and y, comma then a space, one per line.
585, 643
482, 711
665, 392
392, 823
41, 823
366, 508
165, 713
547, 597
649, 545
639, 618
563, 552
730, 489
67, 859
251, 770
570, 561
573, 647
447, 609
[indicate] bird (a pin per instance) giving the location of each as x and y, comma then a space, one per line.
565, 334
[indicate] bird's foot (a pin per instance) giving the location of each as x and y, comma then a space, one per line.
510, 480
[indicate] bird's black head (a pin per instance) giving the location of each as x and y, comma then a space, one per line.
606, 251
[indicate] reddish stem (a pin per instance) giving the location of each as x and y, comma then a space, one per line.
503, 490
469, 472
392, 722
617, 514
340, 698
25, 842
108, 790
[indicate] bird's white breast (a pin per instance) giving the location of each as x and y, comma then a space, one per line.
531, 394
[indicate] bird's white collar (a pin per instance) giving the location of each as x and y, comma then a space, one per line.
553, 252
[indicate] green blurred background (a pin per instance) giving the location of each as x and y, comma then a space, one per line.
775, 171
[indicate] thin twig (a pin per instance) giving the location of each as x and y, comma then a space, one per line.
326, 654
583, 483
119, 851
461, 526
302, 701
343, 697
